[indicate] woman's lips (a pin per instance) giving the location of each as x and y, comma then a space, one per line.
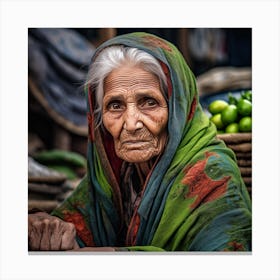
135, 144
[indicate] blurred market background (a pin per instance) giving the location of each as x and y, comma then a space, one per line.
58, 60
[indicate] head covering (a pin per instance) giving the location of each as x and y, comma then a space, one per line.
193, 199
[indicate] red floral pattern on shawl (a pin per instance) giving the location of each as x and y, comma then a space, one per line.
83, 232
201, 186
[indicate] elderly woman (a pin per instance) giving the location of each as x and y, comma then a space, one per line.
158, 178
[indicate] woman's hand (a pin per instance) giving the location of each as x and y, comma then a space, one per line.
46, 232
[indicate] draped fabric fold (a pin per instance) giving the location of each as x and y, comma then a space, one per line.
193, 199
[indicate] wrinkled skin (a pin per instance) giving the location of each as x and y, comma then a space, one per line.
135, 113
46, 232
49, 233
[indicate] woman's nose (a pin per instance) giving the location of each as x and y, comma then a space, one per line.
132, 121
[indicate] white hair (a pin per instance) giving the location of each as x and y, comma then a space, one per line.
112, 58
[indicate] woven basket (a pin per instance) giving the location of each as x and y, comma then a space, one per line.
241, 144
221, 79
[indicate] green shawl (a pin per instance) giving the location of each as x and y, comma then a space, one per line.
194, 198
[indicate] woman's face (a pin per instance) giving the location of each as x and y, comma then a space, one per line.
135, 113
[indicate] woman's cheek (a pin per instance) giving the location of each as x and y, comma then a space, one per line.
112, 125
157, 122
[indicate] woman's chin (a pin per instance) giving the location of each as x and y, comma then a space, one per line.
137, 156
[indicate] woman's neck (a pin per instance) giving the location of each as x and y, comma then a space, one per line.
143, 170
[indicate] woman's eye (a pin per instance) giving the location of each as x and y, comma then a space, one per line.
114, 106
149, 103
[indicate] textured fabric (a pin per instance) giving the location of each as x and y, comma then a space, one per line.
58, 61
193, 198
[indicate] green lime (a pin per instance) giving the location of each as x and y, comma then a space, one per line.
245, 124
232, 128
217, 106
229, 114
217, 120
244, 107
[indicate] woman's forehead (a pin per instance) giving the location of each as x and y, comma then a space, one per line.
127, 77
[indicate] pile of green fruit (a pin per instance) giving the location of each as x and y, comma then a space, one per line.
234, 115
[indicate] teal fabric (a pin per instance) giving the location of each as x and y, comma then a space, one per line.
194, 198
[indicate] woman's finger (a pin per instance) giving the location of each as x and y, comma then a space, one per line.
46, 235
35, 234
56, 234
68, 237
